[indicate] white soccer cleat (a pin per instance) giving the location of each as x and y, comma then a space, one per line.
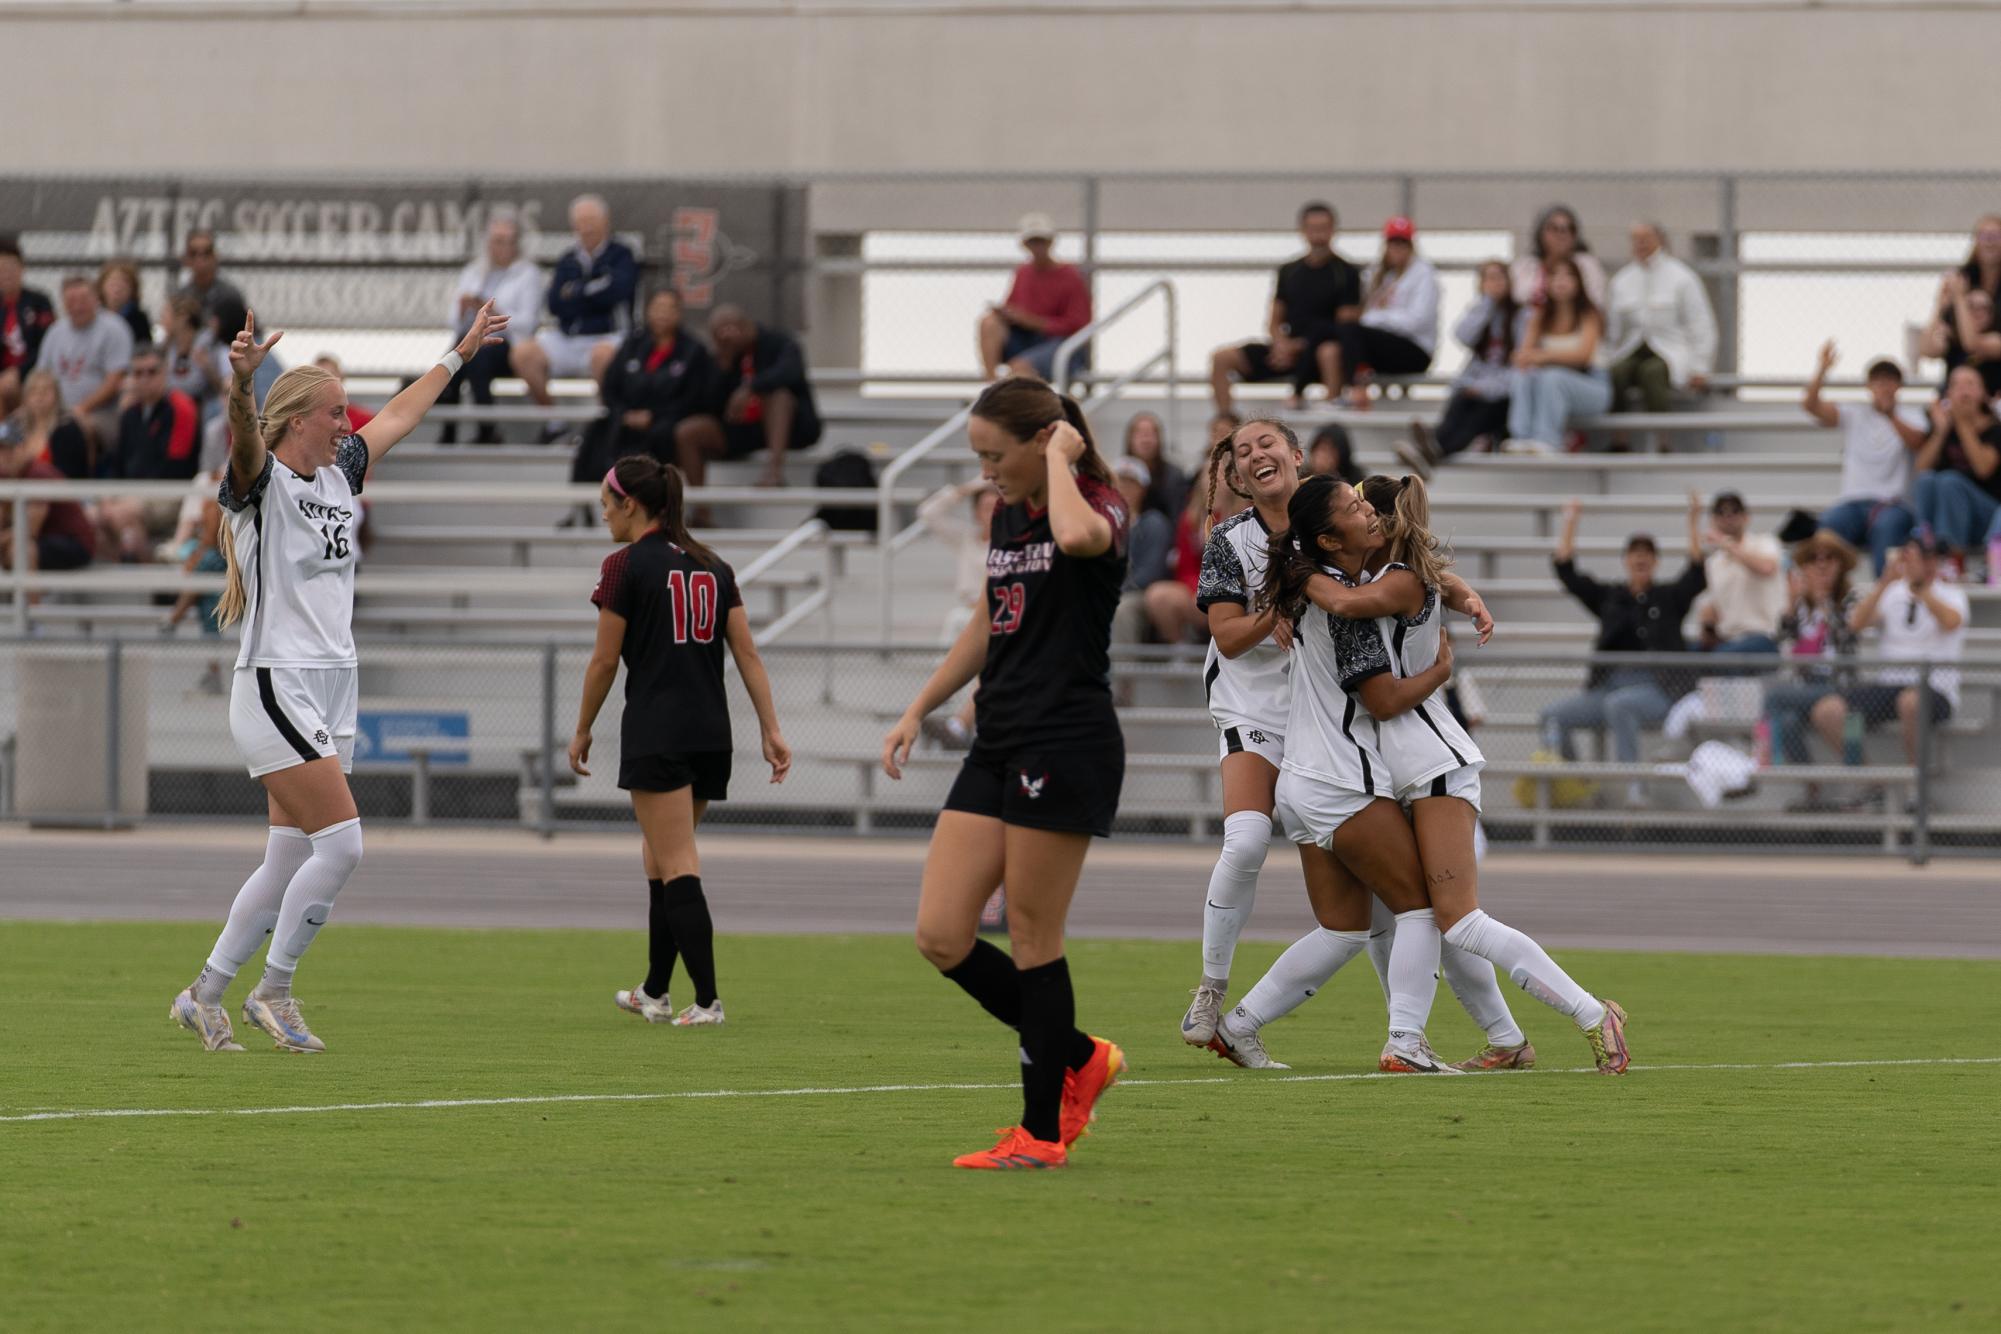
1413, 1056
280, 1018
636, 1001
1246, 1049
698, 1016
210, 1023
1198, 1026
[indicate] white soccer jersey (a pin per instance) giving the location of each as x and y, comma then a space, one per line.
1329, 736
1427, 741
294, 540
1254, 688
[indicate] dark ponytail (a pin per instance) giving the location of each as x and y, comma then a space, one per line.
1293, 556
1023, 407
659, 489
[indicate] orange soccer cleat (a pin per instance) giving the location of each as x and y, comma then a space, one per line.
1017, 1149
1083, 1087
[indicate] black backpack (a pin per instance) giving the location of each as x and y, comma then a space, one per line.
848, 469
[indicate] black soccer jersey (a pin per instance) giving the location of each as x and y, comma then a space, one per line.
1048, 674
674, 609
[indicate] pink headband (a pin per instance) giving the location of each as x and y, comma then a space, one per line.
611, 480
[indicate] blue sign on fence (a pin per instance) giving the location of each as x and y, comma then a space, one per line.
390, 737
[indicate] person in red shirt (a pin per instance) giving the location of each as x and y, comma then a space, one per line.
1046, 304
60, 533
25, 315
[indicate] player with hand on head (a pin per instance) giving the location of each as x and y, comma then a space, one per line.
289, 497
668, 606
1048, 758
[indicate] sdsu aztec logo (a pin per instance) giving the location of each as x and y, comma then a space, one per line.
703, 254
1032, 787
320, 736
1256, 737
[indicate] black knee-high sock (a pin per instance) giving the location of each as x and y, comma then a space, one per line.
660, 950
989, 976
695, 933
1048, 1029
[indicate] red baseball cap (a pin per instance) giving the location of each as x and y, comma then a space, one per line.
1399, 228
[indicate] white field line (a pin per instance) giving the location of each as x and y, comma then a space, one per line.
539, 1100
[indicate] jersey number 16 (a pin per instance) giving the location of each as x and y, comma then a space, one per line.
692, 598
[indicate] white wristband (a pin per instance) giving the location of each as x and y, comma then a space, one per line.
452, 362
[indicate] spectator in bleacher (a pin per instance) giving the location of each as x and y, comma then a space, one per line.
1958, 491
659, 378
1046, 303
514, 284
118, 293
1398, 328
1557, 235
25, 315
1917, 618
1315, 294
1962, 333
1878, 439
158, 438
1478, 406
1661, 331
223, 322
59, 532
1170, 599
1817, 638
88, 351
192, 365
1638, 616
760, 398
1331, 453
1149, 550
197, 548
1167, 489
48, 431
203, 278
1559, 366
590, 297
1746, 595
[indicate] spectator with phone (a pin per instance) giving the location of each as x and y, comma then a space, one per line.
1478, 406
1958, 492
1046, 303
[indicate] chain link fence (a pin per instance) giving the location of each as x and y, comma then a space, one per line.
1734, 754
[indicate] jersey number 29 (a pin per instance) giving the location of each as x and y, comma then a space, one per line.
693, 601
1009, 602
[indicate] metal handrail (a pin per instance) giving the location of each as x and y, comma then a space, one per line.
888, 540
1060, 367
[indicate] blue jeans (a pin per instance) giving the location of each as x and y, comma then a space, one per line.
1787, 705
1879, 525
1543, 401
1955, 507
1625, 701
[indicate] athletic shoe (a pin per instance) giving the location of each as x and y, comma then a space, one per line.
281, 1019
1608, 1040
210, 1023
696, 1016
1017, 1149
1412, 457
1083, 1087
1491, 1057
1198, 1026
1413, 1058
1245, 1049
636, 1001
1516, 445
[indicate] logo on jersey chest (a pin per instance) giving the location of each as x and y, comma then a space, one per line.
1009, 562
316, 512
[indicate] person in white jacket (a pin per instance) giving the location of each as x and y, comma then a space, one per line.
1660, 329
1398, 330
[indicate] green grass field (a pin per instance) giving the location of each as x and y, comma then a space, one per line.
1858, 1197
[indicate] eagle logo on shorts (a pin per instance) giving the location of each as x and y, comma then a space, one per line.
1032, 787
320, 736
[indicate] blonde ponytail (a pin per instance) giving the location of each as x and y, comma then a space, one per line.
229, 607
1405, 509
293, 394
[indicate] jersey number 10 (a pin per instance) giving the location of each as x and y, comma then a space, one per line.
692, 598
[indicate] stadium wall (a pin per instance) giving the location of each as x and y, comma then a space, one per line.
623, 87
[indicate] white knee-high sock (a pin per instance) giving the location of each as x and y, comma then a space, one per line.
309, 899
1306, 966
1527, 965
1413, 972
255, 912
1233, 888
1472, 980
1382, 934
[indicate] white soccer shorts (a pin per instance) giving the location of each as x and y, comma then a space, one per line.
1463, 783
1266, 743
1309, 811
282, 716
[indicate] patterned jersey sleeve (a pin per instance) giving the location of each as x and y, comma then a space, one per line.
351, 457
226, 494
1358, 651
613, 591
1107, 501
1222, 578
